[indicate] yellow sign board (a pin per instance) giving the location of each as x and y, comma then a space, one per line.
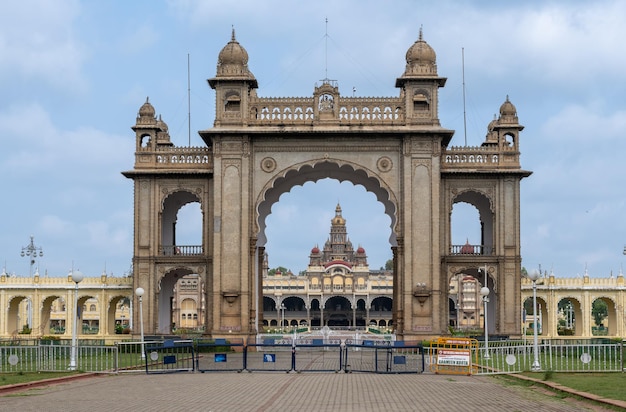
453, 356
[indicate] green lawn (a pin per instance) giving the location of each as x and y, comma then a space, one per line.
23, 377
608, 385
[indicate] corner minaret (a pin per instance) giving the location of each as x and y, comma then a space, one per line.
420, 84
150, 132
233, 84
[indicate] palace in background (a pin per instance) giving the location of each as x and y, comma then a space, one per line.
338, 288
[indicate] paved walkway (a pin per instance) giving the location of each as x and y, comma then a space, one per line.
255, 391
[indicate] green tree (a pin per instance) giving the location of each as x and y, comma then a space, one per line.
599, 311
389, 264
281, 269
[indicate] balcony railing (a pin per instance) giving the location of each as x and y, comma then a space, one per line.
182, 250
471, 250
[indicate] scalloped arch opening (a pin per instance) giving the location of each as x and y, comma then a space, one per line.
472, 219
180, 201
298, 176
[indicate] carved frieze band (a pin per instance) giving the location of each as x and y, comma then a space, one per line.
289, 148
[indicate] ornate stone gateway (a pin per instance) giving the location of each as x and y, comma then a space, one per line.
259, 148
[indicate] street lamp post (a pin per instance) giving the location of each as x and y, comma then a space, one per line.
534, 275
77, 277
484, 292
32, 252
282, 317
139, 292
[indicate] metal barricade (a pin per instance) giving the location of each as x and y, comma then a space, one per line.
129, 357
269, 355
220, 355
318, 355
384, 356
171, 356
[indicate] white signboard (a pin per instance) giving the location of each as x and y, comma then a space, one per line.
453, 357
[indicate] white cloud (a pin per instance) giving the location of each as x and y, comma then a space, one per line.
140, 38
39, 146
585, 124
37, 39
55, 225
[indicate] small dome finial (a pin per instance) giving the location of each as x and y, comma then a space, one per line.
421, 36
233, 35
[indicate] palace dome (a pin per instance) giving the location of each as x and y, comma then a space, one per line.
467, 248
421, 52
420, 59
162, 125
507, 108
360, 250
338, 219
146, 114
233, 61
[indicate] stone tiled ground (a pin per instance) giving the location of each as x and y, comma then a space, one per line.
302, 392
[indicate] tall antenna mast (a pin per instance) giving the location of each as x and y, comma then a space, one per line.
188, 103
464, 114
326, 51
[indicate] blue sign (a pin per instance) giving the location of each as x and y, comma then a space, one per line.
220, 357
399, 360
269, 357
169, 359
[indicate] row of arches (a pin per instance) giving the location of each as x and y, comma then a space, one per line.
333, 311
53, 315
572, 316
471, 222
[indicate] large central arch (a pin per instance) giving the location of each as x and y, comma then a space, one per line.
260, 148
299, 174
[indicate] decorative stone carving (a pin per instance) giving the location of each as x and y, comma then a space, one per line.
384, 164
268, 164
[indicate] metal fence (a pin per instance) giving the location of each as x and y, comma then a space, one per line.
56, 358
384, 356
129, 355
278, 354
220, 355
318, 355
560, 357
170, 356
269, 355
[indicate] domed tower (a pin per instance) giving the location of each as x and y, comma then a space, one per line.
503, 131
233, 84
338, 247
150, 132
507, 126
315, 258
360, 257
420, 84
146, 127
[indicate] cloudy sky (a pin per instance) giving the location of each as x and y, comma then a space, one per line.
73, 75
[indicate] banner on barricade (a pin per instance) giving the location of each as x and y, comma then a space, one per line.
453, 356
